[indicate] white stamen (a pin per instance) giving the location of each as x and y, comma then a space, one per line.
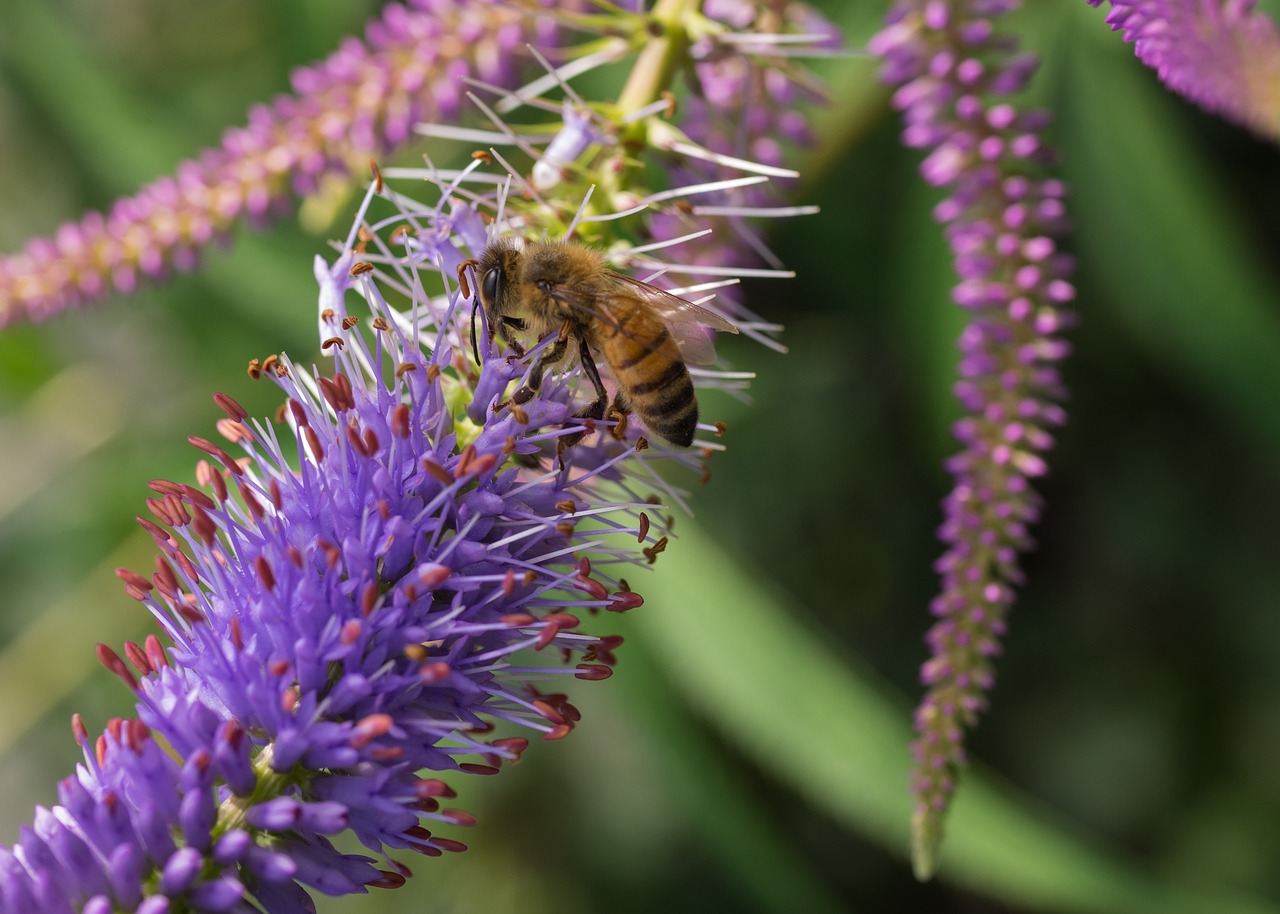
606, 217
615, 50
697, 152
657, 245
690, 190
471, 135
708, 270
766, 212
577, 217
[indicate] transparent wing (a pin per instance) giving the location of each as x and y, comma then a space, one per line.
687, 322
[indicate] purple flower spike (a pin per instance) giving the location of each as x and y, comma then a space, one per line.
952, 72
1223, 55
358, 104
379, 584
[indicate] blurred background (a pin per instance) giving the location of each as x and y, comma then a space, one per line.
750, 754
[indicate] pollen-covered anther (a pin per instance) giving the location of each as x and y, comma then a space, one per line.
431, 673
643, 529
263, 567
400, 421
439, 472
652, 552
370, 728
332, 342
433, 576
289, 699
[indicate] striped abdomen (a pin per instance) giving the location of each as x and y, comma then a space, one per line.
649, 370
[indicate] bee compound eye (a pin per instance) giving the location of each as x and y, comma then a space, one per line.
489, 287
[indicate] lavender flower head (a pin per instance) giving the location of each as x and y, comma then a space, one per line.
1223, 55
952, 72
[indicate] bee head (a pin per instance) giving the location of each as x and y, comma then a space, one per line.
497, 273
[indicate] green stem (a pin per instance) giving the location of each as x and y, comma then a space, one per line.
657, 64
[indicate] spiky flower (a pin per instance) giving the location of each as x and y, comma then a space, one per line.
952, 72
1224, 55
360, 103
383, 581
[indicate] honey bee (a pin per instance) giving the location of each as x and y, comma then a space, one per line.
645, 335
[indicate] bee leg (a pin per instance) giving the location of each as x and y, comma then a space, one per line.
553, 354
593, 410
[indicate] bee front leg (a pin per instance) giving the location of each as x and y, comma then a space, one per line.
594, 409
553, 354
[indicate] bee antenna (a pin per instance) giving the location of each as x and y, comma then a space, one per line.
475, 346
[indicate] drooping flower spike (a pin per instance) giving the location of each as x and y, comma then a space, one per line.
952, 72
1224, 55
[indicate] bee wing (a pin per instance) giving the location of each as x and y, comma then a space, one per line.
683, 318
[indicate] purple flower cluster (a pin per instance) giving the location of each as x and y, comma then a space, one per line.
952, 72
361, 102
354, 593
1223, 55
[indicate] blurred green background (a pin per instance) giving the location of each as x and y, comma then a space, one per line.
750, 754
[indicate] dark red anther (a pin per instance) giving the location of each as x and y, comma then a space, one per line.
237, 635
433, 576
265, 574
229, 406
189, 612
201, 760
344, 388
135, 584
481, 727
158, 533
333, 341
518, 620
368, 599
251, 501
100, 749
176, 508
473, 768
138, 658
164, 578
624, 601
438, 471
429, 788
370, 728
332, 554
482, 464
219, 485
458, 817
448, 844
136, 733
508, 582
115, 727
160, 508
512, 747
566, 621
592, 587
278, 667
277, 499
644, 528
155, 653
652, 552
111, 660
386, 753
351, 630
313, 443
400, 421
184, 565
377, 176
386, 880
431, 673
217, 453
592, 672
356, 442
332, 394
294, 555
299, 414
384, 508
371, 442
584, 566
464, 461
706, 469
232, 733
602, 650
164, 487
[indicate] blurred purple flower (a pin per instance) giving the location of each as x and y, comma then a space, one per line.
360, 103
1223, 55
951, 70
351, 601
